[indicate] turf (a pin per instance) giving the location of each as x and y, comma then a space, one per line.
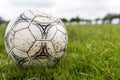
93, 53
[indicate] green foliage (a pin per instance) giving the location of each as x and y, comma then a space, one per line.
109, 18
2, 21
93, 54
64, 20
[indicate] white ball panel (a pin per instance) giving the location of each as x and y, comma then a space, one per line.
9, 28
61, 28
35, 31
29, 14
11, 23
7, 49
20, 53
19, 58
42, 19
51, 32
11, 55
9, 40
35, 48
23, 40
43, 16
39, 13
59, 41
35, 12
50, 48
21, 25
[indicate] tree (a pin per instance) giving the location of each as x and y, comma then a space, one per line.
72, 20
77, 19
119, 18
110, 17
103, 20
96, 20
88, 21
3, 22
64, 20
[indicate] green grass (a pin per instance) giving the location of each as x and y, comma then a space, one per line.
93, 53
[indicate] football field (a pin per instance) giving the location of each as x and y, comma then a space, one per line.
93, 53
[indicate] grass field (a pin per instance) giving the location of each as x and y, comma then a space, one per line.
93, 53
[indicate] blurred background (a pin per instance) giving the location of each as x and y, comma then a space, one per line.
70, 11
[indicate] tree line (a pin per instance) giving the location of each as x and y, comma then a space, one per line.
3, 22
108, 18
77, 20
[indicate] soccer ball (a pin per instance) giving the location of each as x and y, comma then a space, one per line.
35, 38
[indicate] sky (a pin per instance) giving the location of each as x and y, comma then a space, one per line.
89, 9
